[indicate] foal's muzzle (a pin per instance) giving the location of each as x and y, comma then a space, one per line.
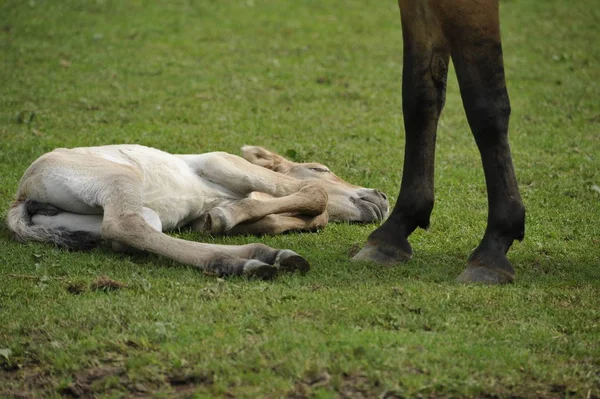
372, 204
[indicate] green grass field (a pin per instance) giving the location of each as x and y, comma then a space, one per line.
318, 81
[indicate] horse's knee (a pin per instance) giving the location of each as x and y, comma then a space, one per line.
424, 86
128, 231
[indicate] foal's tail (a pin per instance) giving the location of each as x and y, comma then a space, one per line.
20, 223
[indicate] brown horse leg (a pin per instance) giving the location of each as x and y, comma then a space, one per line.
425, 70
470, 29
480, 71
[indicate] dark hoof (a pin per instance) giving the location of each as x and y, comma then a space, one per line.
485, 275
257, 269
289, 261
383, 254
487, 266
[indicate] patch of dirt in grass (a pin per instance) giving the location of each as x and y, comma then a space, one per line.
359, 386
33, 381
356, 386
106, 284
352, 386
89, 383
24, 382
303, 389
86, 382
186, 384
76, 287
319, 380
18, 395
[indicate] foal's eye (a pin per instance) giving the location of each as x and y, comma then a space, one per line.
322, 170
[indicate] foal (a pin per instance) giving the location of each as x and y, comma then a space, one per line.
130, 194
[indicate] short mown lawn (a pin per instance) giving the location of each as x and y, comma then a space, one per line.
315, 81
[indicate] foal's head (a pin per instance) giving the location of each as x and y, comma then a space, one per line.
347, 202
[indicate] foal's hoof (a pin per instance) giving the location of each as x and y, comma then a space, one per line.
383, 254
215, 222
289, 261
485, 275
257, 269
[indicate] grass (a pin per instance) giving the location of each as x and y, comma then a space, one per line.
320, 82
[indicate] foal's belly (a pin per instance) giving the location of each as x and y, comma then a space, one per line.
177, 195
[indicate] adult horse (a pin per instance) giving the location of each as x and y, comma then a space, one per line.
468, 31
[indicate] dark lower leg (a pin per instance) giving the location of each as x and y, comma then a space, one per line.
481, 78
423, 94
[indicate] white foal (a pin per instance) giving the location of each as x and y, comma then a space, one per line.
130, 194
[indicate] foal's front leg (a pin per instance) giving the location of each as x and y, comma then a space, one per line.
278, 224
240, 176
310, 201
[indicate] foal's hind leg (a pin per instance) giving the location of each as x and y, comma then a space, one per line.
90, 225
51, 216
124, 222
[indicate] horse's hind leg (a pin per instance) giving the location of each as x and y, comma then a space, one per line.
480, 71
471, 32
426, 55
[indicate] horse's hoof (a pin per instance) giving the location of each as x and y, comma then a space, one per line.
257, 269
485, 275
289, 261
383, 254
487, 267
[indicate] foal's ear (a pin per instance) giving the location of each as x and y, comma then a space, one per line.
265, 158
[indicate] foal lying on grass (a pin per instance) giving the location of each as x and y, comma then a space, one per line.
130, 194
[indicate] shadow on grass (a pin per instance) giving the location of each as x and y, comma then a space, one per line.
336, 267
